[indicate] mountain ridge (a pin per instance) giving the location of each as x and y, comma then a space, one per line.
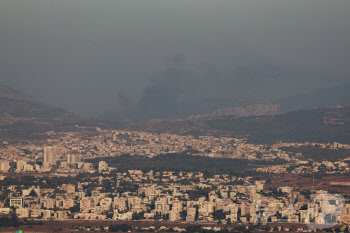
336, 95
329, 124
15, 103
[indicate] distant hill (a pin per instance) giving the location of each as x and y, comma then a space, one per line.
338, 95
319, 125
17, 104
242, 111
23, 117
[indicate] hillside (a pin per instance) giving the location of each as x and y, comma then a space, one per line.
320, 125
22, 117
331, 124
16, 104
338, 95
241, 111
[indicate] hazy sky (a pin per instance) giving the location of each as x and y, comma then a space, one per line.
159, 57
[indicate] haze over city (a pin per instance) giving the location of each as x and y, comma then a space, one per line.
115, 59
186, 116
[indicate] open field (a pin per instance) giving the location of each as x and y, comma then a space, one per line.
319, 154
65, 226
181, 162
332, 183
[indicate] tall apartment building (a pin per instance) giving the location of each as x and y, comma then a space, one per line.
102, 166
5, 166
73, 159
21, 165
50, 155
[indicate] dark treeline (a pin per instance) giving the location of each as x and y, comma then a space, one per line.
319, 154
182, 162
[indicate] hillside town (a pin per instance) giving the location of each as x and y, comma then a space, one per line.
66, 152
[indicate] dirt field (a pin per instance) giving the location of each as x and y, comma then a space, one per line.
332, 183
319, 154
64, 226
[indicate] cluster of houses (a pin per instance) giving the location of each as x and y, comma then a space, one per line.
136, 195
